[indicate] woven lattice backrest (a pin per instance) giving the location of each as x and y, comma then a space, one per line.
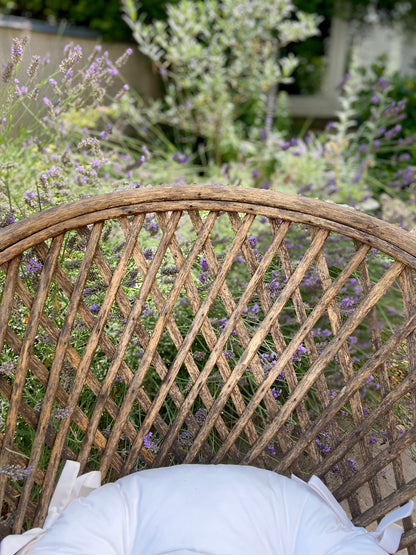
208, 324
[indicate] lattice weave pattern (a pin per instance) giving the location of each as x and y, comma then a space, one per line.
208, 324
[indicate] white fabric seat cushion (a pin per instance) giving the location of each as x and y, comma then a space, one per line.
207, 510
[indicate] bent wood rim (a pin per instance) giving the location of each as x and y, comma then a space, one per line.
17, 237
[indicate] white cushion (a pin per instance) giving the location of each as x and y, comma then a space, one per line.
209, 510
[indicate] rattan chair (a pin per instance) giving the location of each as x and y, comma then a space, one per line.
208, 324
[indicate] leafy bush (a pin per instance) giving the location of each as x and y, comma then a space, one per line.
220, 64
101, 15
364, 158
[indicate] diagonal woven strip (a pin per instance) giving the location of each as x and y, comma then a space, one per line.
208, 324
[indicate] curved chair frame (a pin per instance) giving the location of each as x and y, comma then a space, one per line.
184, 244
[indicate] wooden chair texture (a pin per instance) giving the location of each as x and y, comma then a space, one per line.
208, 324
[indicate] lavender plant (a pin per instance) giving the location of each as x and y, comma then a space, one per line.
362, 159
221, 64
38, 106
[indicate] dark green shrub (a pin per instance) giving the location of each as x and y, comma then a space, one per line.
103, 16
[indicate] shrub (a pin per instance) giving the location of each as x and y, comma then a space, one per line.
219, 61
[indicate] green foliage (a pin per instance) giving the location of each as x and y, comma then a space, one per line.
363, 158
400, 87
356, 10
103, 16
220, 64
37, 106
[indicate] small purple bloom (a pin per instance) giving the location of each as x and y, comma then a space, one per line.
204, 264
147, 440
253, 240
271, 450
263, 134
276, 392
180, 158
33, 265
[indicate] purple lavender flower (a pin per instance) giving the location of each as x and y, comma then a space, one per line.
33, 265
229, 355
62, 414
383, 84
271, 450
147, 440
255, 308
153, 228
352, 464
253, 240
204, 264
200, 416
300, 351
276, 392
7, 368
15, 471
343, 81
180, 158
185, 438
347, 302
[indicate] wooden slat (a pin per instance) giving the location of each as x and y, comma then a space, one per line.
123, 344
24, 359
86, 360
105, 344
6, 306
256, 341
277, 336
346, 365
210, 338
350, 439
389, 503
150, 351
156, 334
376, 464
188, 341
234, 199
55, 372
383, 379
327, 354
